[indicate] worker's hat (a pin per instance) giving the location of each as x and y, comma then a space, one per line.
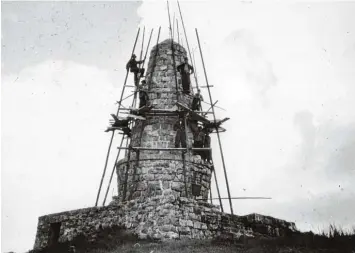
185, 58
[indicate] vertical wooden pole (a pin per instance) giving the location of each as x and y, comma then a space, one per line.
211, 195
214, 117
185, 151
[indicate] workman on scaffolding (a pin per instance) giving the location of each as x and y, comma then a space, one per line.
127, 131
180, 137
132, 66
196, 101
143, 95
207, 144
199, 139
193, 123
185, 69
122, 124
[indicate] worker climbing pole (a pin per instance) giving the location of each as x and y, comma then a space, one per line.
113, 132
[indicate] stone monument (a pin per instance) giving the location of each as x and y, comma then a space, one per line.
162, 194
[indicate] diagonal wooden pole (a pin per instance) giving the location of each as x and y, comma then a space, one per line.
214, 117
173, 55
113, 132
218, 193
113, 171
177, 29
187, 43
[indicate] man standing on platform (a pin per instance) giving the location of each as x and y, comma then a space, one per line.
143, 95
196, 101
207, 144
185, 70
180, 136
132, 65
199, 139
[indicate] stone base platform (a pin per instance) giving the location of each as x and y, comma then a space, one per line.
160, 218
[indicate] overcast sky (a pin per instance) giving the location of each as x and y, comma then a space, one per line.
284, 73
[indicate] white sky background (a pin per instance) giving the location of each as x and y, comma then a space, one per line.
284, 72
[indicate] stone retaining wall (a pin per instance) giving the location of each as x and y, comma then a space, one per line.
160, 217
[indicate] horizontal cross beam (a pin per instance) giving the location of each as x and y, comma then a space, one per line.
195, 87
163, 110
240, 198
164, 149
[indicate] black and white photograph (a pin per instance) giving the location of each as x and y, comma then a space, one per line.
178, 126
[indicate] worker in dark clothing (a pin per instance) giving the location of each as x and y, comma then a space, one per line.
118, 123
132, 65
185, 70
199, 139
127, 131
196, 101
143, 95
121, 123
207, 144
180, 136
193, 125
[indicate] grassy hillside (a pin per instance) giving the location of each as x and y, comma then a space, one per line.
119, 241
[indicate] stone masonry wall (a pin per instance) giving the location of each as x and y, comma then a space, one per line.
152, 175
164, 216
161, 169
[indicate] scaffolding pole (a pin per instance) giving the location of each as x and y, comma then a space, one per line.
173, 56
113, 132
141, 54
140, 66
171, 32
177, 29
211, 195
138, 157
187, 43
155, 60
126, 176
173, 25
119, 102
113, 171
241, 198
218, 193
146, 50
214, 116
163, 149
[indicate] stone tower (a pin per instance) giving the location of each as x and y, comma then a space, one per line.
149, 173
161, 194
